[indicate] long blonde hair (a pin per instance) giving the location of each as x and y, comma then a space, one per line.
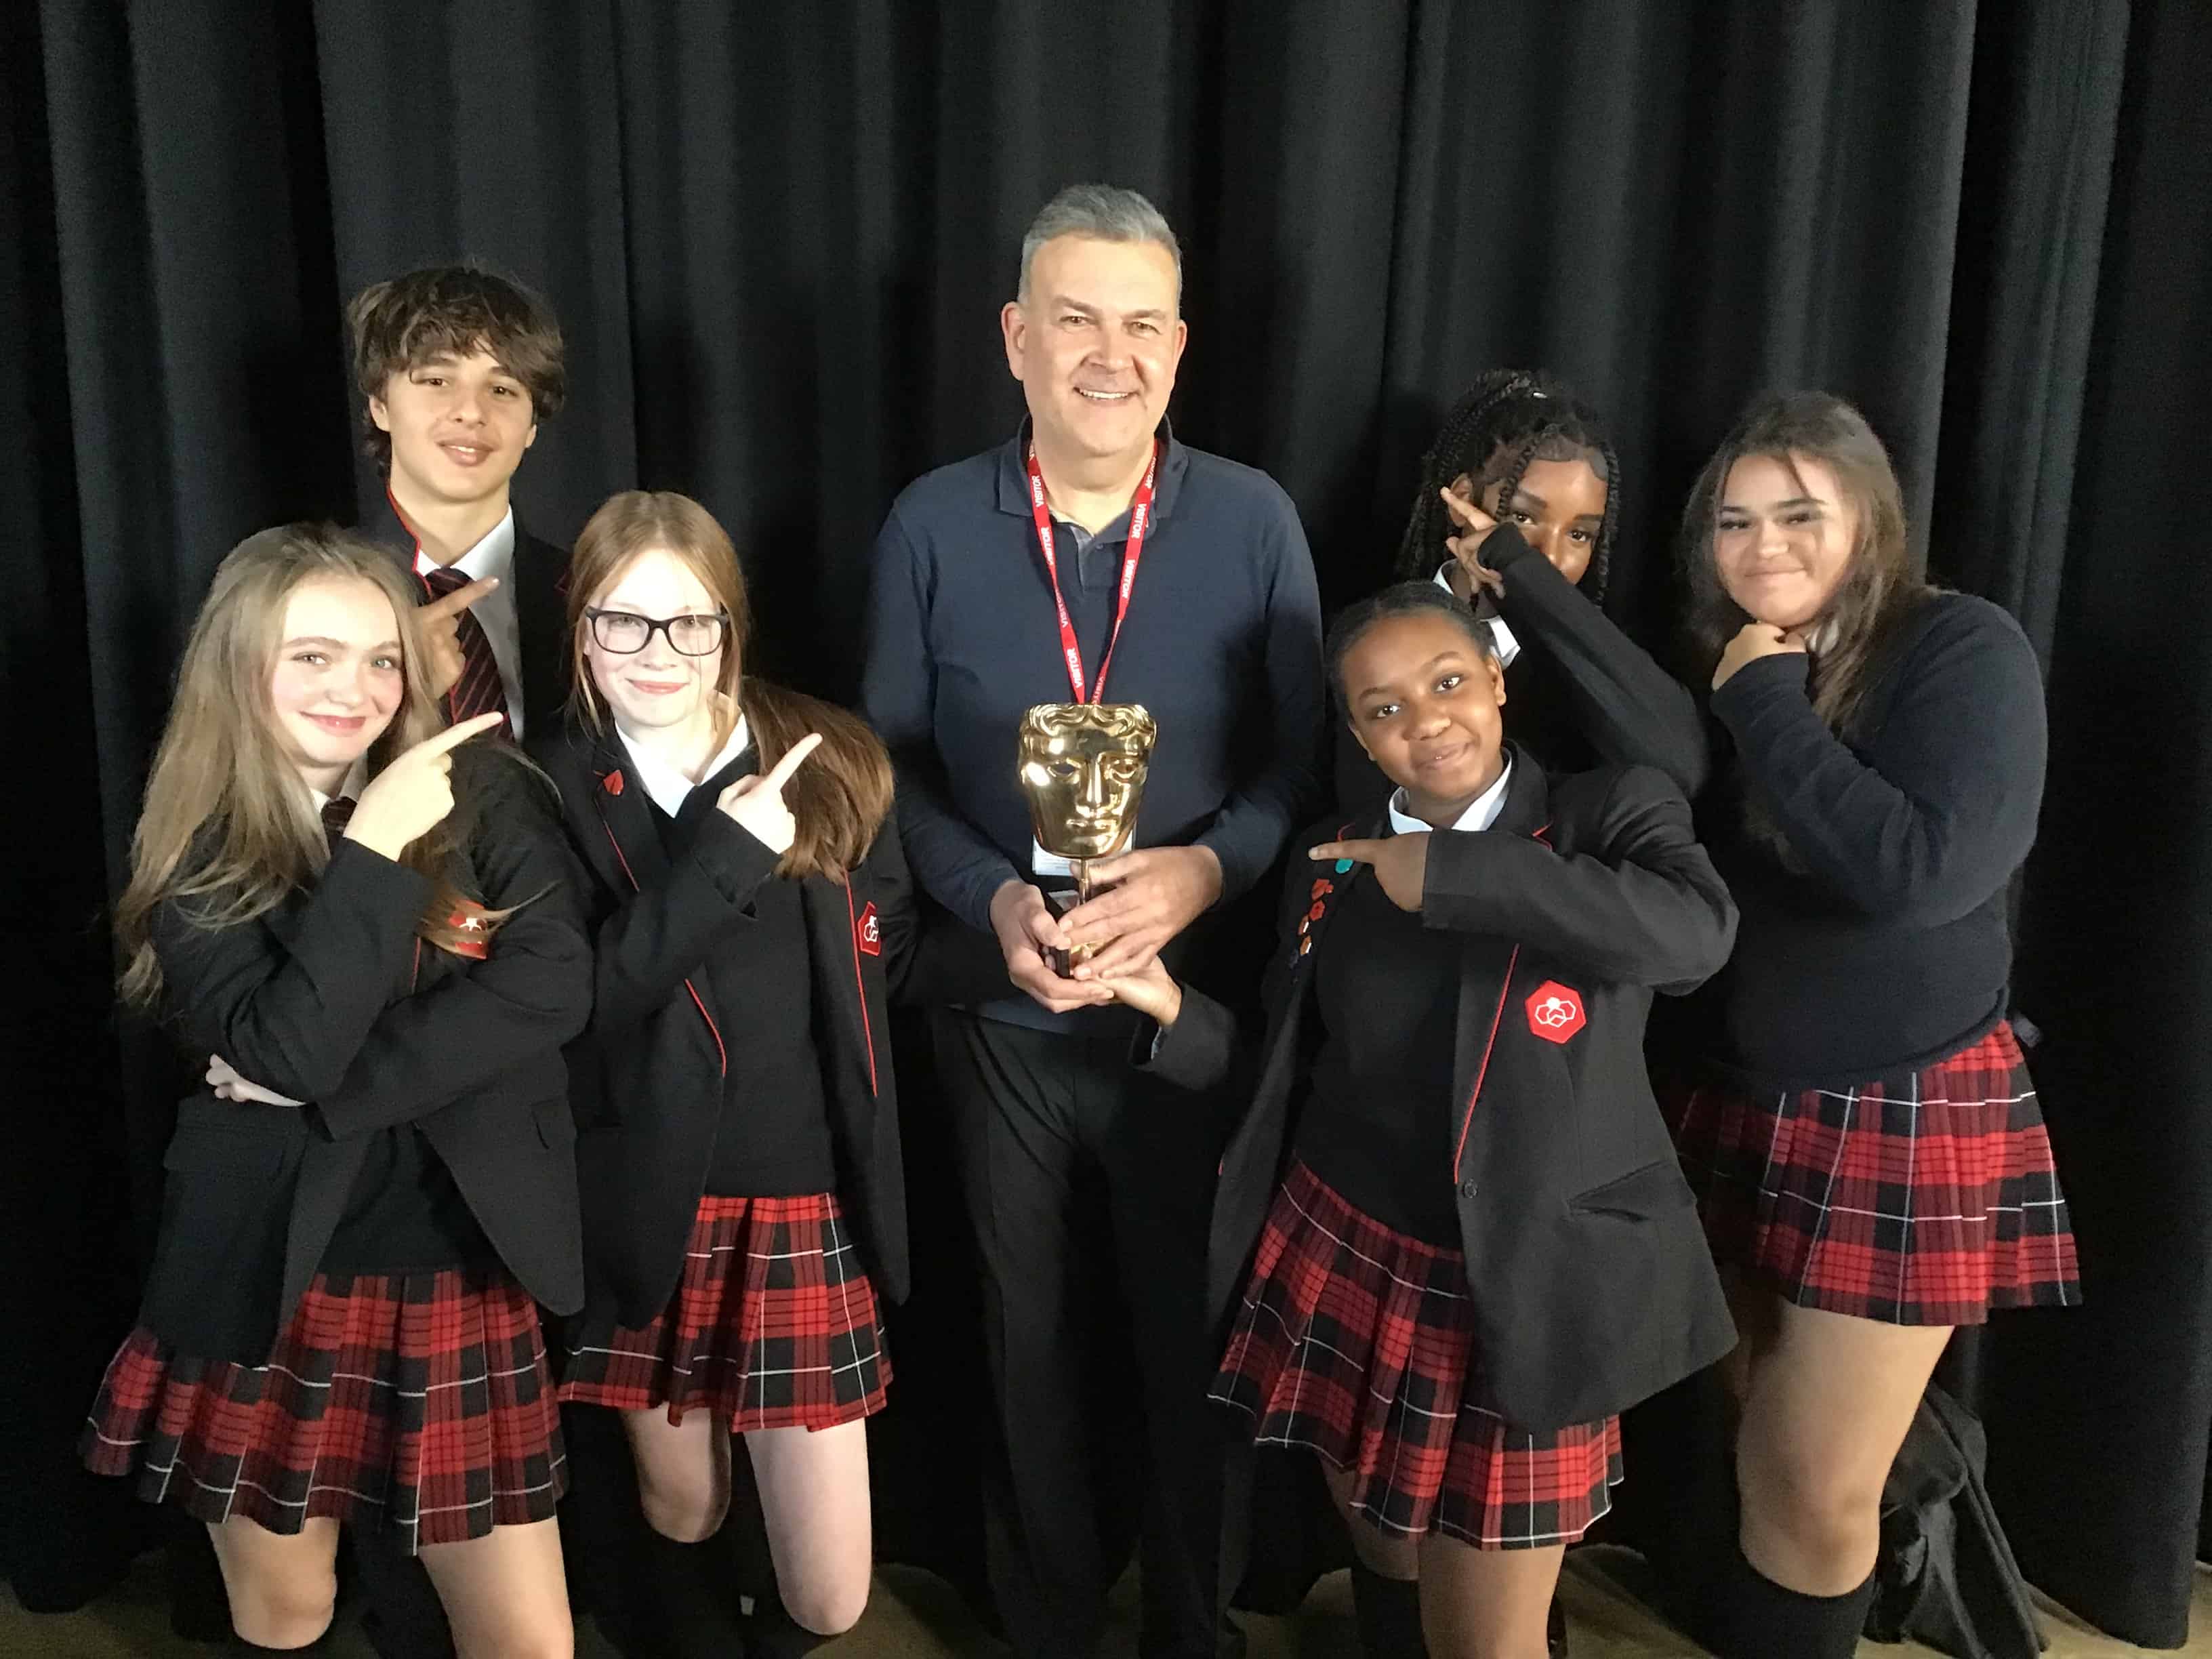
840, 797
228, 829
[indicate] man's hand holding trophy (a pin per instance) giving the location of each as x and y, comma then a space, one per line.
1082, 768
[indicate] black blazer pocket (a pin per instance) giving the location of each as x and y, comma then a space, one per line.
556, 1127
1656, 1189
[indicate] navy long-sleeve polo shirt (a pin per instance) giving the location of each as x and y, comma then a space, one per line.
1222, 643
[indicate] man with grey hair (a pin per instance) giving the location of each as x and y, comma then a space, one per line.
1094, 557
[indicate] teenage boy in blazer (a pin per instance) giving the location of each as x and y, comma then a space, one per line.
455, 367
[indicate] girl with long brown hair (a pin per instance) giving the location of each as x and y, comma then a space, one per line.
363, 922
1871, 1160
744, 1196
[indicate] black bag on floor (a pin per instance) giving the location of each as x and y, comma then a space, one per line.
1946, 1577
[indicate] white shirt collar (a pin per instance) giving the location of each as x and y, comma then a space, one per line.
1480, 814
1500, 634
666, 784
492, 557
357, 779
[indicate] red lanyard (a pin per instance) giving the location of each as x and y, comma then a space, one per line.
1140, 517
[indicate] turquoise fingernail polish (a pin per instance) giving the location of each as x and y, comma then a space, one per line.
1343, 867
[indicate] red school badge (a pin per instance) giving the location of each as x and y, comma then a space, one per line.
613, 783
471, 923
867, 935
1555, 1011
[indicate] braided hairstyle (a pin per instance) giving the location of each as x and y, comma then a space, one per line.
1505, 421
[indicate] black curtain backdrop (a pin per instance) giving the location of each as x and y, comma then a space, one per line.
778, 238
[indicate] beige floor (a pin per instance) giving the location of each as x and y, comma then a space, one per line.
913, 1616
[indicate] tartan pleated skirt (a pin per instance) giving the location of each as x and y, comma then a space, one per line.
773, 1324
1928, 1199
1356, 1342
423, 1402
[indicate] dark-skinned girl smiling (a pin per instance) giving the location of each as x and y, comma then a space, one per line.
1451, 1243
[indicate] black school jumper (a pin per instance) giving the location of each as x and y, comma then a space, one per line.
1865, 1137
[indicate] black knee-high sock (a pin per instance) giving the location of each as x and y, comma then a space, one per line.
1390, 1613
674, 1599
1752, 1617
401, 1615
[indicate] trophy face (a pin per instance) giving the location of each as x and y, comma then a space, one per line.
1083, 768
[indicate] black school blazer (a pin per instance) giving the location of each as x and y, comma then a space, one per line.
645, 1078
331, 999
1590, 1279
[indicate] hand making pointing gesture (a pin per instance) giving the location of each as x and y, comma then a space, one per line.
1400, 863
756, 804
414, 792
440, 621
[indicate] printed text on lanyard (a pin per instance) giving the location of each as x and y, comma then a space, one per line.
1140, 518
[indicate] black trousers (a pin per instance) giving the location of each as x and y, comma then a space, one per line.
1091, 1190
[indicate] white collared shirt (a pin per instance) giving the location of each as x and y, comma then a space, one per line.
495, 613
357, 780
1480, 814
1500, 634
666, 784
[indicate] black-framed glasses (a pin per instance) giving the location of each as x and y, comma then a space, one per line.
625, 633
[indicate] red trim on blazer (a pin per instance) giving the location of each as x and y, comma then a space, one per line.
697, 1001
867, 1029
1483, 1070
1467, 1122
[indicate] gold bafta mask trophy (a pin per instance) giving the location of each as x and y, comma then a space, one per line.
1083, 768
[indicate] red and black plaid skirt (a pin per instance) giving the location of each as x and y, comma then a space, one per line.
774, 1325
1923, 1200
423, 1402
1356, 1342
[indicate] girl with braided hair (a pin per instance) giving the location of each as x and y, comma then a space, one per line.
1517, 513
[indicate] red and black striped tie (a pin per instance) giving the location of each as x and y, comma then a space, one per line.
338, 812
479, 691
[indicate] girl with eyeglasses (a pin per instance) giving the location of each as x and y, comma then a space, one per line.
744, 1196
